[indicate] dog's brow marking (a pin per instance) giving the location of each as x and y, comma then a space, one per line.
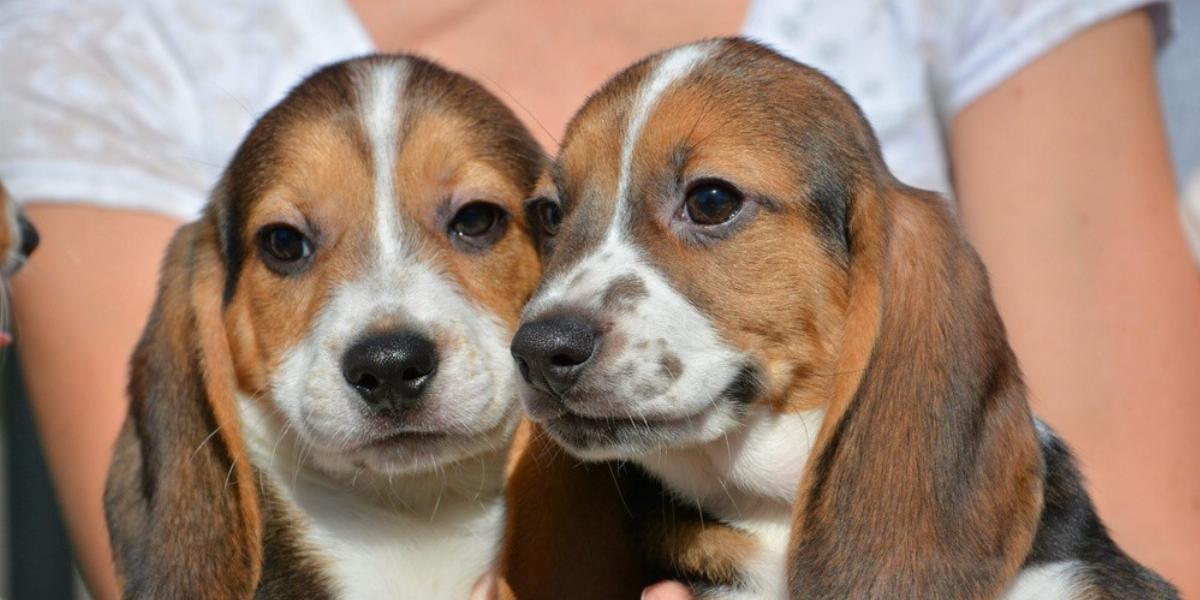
671, 68
381, 116
614, 256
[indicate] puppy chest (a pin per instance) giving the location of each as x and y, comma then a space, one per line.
370, 553
765, 569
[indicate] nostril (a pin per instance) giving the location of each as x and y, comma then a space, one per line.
568, 360
366, 381
413, 373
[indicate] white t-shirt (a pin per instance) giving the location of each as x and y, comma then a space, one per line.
139, 104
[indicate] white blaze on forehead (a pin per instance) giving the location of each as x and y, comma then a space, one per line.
674, 66
381, 115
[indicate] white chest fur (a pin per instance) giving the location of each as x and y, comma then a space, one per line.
416, 536
749, 480
372, 552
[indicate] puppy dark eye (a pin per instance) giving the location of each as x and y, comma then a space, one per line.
712, 202
284, 248
476, 220
547, 215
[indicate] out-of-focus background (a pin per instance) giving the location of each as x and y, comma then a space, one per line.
35, 558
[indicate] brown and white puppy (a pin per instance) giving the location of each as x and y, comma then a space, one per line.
323, 398
745, 307
18, 239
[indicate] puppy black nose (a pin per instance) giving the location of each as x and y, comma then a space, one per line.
552, 352
29, 236
390, 370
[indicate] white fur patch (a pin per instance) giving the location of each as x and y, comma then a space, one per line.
672, 364
381, 116
673, 67
1053, 581
472, 395
429, 535
749, 480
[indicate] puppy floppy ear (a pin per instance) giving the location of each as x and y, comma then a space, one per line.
926, 481
180, 500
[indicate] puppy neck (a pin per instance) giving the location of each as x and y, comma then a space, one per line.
750, 473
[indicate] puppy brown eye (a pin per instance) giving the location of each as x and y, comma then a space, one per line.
284, 248
547, 214
476, 219
712, 202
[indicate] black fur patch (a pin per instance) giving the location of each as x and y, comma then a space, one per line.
829, 203
1070, 530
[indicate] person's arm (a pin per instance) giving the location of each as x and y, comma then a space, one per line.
81, 303
1065, 185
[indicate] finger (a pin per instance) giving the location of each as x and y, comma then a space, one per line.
667, 590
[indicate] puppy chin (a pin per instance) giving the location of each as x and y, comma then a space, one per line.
631, 438
603, 427
413, 446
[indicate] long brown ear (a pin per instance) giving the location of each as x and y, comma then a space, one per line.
926, 478
180, 501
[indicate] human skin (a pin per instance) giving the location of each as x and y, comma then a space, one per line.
1062, 179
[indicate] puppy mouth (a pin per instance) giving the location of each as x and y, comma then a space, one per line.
587, 433
410, 451
408, 448
405, 440
644, 433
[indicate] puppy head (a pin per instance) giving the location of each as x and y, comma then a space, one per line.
377, 257
18, 239
356, 276
702, 263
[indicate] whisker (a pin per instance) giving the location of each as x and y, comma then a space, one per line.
203, 442
504, 91
617, 485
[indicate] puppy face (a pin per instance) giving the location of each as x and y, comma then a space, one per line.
378, 259
18, 238
701, 266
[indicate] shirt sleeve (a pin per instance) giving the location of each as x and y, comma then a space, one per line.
984, 42
95, 110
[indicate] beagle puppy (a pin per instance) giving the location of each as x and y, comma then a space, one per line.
323, 398
18, 239
790, 361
